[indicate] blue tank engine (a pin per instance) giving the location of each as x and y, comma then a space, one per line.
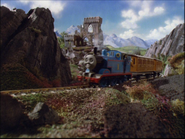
110, 68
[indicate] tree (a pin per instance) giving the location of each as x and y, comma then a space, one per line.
137, 51
61, 40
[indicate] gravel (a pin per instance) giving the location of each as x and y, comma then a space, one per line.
172, 86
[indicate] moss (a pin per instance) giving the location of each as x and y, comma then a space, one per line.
38, 31
15, 76
178, 107
180, 68
115, 97
74, 69
32, 100
176, 59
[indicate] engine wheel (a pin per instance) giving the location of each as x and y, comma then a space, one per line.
103, 82
122, 79
114, 81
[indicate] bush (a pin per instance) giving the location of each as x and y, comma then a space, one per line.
178, 106
38, 31
174, 60
137, 91
137, 51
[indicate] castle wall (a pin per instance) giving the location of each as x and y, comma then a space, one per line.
96, 35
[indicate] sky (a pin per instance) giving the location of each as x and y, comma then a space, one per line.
147, 19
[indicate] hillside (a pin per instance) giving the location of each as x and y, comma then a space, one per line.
30, 54
128, 49
104, 112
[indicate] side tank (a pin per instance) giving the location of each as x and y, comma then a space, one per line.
116, 61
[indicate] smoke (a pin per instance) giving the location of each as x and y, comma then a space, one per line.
98, 42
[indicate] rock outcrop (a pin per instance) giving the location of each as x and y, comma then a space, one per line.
42, 114
169, 45
28, 41
11, 112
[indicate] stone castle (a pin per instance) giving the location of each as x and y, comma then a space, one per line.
90, 34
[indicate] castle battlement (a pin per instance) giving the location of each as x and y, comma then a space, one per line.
93, 20
68, 37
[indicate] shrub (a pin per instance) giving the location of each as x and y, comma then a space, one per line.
137, 51
174, 60
180, 68
38, 31
164, 59
178, 106
137, 91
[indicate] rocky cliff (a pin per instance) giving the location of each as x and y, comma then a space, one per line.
169, 45
30, 54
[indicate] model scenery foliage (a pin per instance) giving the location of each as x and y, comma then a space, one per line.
83, 112
61, 39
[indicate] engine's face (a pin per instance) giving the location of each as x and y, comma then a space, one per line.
81, 66
90, 62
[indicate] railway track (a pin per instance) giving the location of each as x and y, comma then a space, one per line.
15, 93
37, 90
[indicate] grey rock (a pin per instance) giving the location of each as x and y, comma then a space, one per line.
42, 114
169, 71
169, 45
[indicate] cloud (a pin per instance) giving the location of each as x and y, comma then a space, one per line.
25, 1
128, 34
7, 5
56, 7
128, 24
161, 32
146, 10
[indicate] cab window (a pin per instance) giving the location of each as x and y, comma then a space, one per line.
133, 60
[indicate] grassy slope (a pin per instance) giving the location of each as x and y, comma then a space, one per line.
128, 49
15, 76
82, 112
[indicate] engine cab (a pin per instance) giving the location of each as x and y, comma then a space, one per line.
117, 62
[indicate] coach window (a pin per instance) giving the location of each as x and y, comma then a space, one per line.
144, 61
133, 60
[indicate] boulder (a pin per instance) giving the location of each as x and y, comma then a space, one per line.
11, 112
29, 39
169, 71
169, 45
42, 114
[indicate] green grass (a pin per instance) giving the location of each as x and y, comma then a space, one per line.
128, 49
82, 111
74, 70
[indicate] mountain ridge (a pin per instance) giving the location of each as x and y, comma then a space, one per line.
116, 41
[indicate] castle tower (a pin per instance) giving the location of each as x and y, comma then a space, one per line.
92, 29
